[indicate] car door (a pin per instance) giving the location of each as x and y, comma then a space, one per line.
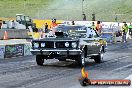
97, 40
92, 40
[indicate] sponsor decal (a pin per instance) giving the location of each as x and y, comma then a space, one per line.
14, 50
85, 81
27, 48
2, 50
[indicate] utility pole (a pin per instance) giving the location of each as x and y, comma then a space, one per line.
93, 17
83, 14
82, 7
24, 5
116, 18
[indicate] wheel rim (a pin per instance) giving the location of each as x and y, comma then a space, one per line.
83, 59
101, 55
43, 60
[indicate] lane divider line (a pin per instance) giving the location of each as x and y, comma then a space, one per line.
120, 68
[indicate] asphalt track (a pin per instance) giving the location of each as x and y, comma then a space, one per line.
23, 72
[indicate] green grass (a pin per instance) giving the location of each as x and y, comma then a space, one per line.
9, 8
105, 10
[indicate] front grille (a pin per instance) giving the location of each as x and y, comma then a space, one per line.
55, 44
62, 45
49, 44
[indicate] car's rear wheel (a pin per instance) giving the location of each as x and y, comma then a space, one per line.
99, 57
39, 60
81, 59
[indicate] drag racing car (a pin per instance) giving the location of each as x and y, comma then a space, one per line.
70, 42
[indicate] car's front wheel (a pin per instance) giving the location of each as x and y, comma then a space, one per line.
99, 57
81, 59
39, 60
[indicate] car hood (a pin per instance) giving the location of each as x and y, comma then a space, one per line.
58, 39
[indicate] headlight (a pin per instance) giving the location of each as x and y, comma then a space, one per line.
67, 44
74, 45
42, 44
36, 45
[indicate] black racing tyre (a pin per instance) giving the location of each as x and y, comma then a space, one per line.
81, 59
39, 60
99, 57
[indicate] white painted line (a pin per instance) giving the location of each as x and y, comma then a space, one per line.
117, 59
122, 67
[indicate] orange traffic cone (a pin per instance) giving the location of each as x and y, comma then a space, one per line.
5, 35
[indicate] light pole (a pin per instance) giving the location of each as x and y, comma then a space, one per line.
24, 5
116, 18
82, 7
83, 14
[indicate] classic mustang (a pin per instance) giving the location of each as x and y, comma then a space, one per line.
70, 42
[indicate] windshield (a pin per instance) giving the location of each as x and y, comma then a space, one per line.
72, 31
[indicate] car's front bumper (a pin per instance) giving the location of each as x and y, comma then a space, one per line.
56, 52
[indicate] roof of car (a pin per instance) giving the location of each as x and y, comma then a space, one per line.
66, 27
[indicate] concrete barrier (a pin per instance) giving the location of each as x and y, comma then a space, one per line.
14, 48
2, 51
14, 33
27, 47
